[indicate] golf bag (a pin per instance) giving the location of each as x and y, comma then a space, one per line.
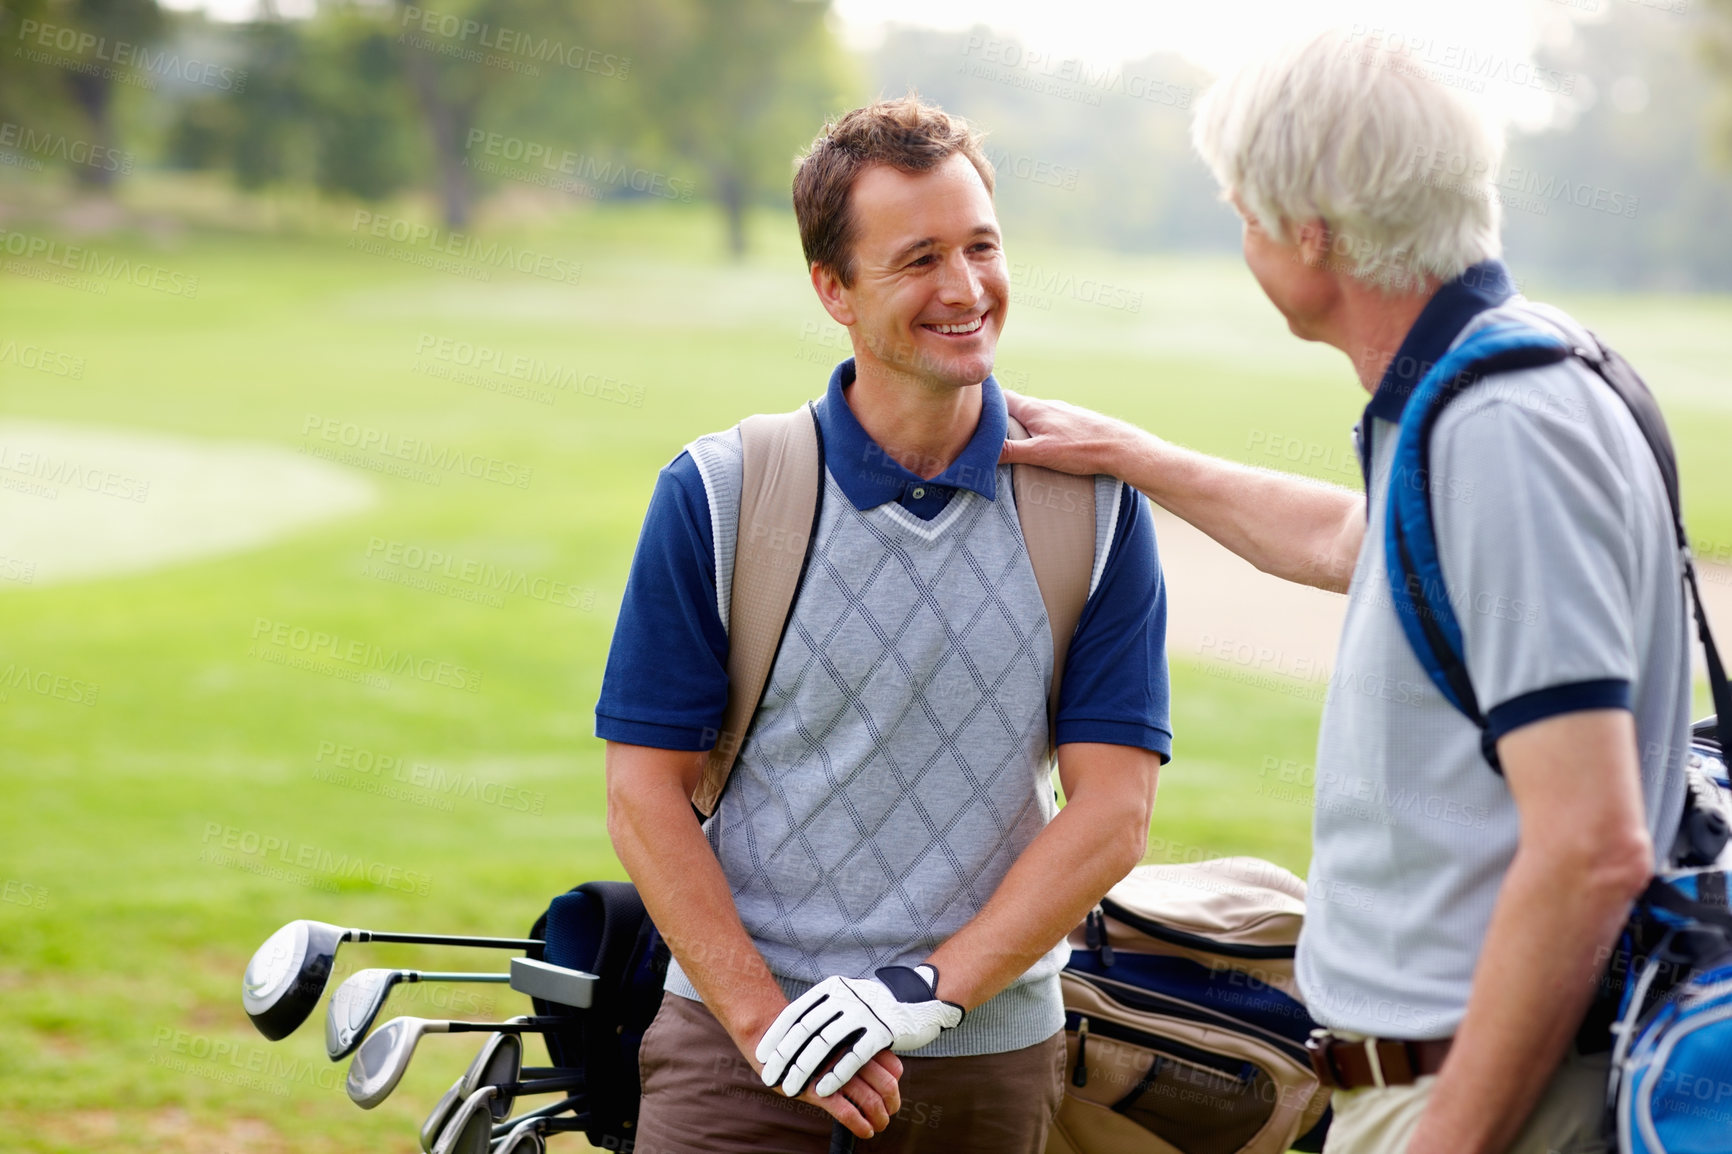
1184, 1029
602, 928
1671, 1084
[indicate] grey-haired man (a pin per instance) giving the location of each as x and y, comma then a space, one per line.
1494, 899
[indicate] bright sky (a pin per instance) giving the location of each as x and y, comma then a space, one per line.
1217, 33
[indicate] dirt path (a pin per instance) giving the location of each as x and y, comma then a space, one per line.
1222, 609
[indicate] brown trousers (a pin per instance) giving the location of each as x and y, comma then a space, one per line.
701, 1097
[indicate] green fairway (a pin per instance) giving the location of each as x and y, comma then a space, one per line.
217, 785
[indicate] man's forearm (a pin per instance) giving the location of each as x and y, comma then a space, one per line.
1543, 953
1289, 526
1293, 527
1092, 843
664, 850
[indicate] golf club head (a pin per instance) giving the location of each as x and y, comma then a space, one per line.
470, 1128
354, 1007
441, 1114
379, 1063
524, 1138
498, 1062
287, 974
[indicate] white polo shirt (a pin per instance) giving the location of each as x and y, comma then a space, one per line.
1556, 542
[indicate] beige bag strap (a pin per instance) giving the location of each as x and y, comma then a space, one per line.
784, 474
1057, 512
784, 470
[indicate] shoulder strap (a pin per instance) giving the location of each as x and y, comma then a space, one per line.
779, 506
1634, 392
1416, 583
1057, 512
1415, 573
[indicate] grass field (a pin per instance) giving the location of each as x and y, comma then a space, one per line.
134, 831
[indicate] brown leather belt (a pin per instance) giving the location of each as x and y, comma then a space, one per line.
1346, 1065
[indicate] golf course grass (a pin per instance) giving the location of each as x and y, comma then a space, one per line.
223, 772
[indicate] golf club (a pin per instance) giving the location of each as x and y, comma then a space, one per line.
441, 1114
535, 1080
357, 1002
575, 1103
525, 1135
288, 973
470, 1128
379, 1063
525, 1138
498, 1063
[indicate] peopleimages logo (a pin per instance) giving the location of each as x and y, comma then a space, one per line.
365, 656
78, 259
593, 174
365, 439
334, 865
505, 42
59, 147
125, 54
484, 256
41, 360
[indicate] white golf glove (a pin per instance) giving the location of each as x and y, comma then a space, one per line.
898, 1007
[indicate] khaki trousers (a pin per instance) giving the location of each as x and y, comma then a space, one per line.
701, 1097
1566, 1121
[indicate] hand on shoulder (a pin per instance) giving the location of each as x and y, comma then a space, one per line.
1068, 438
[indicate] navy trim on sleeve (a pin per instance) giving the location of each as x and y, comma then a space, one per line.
1118, 733
1115, 679
1608, 693
655, 736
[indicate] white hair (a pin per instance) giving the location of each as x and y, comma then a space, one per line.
1401, 168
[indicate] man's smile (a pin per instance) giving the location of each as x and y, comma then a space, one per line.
958, 329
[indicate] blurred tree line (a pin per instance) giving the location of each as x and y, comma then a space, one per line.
368, 98
709, 99
1630, 189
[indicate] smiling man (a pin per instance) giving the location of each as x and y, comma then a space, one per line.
887, 841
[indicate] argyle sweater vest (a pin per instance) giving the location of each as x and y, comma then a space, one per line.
897, 765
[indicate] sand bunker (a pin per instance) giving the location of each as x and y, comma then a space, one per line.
78, 502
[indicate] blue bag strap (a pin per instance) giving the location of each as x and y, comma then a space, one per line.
1416, 582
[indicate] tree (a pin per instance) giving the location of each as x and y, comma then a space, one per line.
71, 94
134, 22
739, 86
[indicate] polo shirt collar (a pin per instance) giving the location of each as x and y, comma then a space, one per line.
871, 477
1483, 286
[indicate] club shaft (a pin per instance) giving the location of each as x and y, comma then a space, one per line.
440, 976
548, 1111
532, 1026
543, 1085
445, 940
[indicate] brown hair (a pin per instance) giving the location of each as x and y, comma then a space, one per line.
907, 134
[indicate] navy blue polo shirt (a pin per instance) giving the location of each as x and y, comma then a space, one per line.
666, 682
